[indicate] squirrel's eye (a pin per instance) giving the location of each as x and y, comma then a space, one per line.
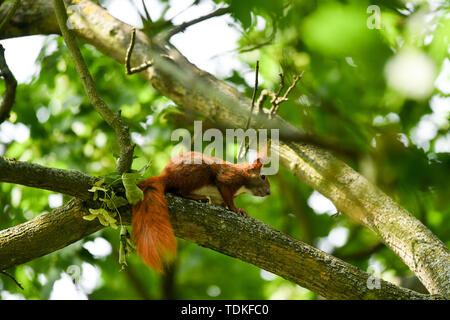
263, 177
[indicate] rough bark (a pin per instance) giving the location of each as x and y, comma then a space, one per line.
254, 242
216, 228
44, 234
31, 18
197, 90
354, 195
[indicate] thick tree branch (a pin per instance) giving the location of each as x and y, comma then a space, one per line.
355, 196
44, 234
32, 17
254, 242
114, 120
352, 194
212, 227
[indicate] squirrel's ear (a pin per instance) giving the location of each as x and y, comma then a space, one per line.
257, 163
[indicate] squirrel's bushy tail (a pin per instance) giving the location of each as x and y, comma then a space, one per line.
152, 231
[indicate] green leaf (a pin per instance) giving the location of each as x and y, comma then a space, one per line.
109, 219
98, 183
96, 188
103, 221
89, 217
105, 217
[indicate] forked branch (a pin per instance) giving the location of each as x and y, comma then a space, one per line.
128, 69
276, 98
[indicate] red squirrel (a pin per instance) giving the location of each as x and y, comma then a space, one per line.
208, 176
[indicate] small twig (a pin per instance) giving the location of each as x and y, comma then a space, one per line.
263, 43
296, 79
281, 87
114, 120
128, 68
180, 28
10, 87
10, 14
252, 107
277, 100
12, 278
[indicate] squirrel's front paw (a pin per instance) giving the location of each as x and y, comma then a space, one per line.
242, 212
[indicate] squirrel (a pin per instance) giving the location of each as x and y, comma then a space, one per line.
191, 175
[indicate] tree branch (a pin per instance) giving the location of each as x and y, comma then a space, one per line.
180, 28
44, 234
70, 182
212, 227
355, 196
128, 69
209, 226
10, 87
32, 17
277, 100
114, 120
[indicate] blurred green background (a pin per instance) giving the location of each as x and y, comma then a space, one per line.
377, 79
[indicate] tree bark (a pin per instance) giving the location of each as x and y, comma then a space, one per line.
212, 227
194, 89
44, 234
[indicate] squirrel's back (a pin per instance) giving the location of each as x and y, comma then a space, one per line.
191, 170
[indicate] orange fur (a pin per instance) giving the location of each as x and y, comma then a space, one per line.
152, 231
